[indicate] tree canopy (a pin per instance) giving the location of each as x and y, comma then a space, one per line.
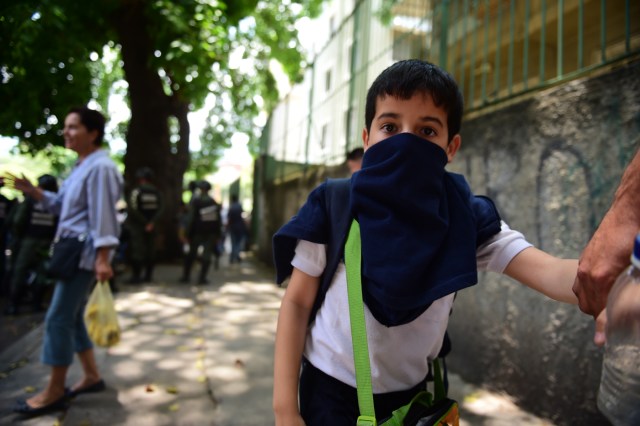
173, 54
52, 58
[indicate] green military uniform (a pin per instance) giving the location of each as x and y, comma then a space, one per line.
203, 229
33, 229
5, 207
145, 207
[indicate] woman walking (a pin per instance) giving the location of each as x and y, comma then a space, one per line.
86, 206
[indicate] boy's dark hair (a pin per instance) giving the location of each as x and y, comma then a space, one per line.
355, 154
406, 78
92, 120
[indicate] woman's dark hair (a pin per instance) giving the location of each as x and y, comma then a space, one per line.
92, 120
406, 78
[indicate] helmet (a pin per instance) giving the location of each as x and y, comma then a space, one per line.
48, 183
204, 185
144, 173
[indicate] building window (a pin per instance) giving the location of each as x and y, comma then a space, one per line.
327, 80
323, 136
332, 25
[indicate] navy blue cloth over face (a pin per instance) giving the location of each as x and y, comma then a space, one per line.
417, 228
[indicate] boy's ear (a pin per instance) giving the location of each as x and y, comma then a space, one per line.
453, 147
365, 138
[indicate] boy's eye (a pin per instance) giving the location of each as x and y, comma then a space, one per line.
428, 131
388, 127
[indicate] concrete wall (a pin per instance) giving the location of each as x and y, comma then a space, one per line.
551, 163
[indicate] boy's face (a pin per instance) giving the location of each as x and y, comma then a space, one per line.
418, 115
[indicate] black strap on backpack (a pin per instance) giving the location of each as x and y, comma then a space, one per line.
337, 209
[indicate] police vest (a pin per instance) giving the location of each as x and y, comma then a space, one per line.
207, 216
40, 224
147, 202
5, 204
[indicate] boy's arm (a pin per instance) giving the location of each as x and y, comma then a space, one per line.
290, 338
545, 274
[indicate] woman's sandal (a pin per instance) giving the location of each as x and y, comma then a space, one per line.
23, 407
98, 386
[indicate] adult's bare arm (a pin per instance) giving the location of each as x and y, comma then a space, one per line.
609, 250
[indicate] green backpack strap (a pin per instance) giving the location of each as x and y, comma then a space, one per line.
353, 264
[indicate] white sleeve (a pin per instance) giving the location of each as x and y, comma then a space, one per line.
496, 253
310, 258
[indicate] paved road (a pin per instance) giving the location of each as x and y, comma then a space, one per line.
194, 355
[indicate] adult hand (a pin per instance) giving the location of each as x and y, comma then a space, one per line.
606, 255
104, 271
20, 183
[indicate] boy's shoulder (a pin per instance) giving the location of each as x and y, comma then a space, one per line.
312, 223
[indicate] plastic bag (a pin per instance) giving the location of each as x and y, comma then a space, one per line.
101, 318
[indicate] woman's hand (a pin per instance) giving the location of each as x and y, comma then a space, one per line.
22, 184
104, 271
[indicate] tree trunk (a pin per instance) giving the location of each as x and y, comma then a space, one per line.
148, 143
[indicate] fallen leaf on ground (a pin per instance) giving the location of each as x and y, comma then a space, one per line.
202, 379
174, 407
182, 348
29, 389
239, 363
150, 388
172, 389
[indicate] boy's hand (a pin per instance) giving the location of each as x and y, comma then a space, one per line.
600, 337
289, 420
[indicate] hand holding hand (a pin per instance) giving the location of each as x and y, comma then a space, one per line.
606, 255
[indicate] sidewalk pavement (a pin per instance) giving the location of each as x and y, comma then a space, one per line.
194, 355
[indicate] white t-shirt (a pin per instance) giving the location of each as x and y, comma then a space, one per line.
399, 355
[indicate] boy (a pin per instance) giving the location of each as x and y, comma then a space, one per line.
423, 236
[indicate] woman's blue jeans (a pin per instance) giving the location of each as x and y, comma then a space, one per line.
65, 332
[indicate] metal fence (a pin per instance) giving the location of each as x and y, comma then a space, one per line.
495, 49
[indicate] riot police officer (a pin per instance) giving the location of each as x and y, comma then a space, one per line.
5, 207
203, 229
144, 209
33, 228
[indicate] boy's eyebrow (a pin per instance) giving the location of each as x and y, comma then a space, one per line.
396, 116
